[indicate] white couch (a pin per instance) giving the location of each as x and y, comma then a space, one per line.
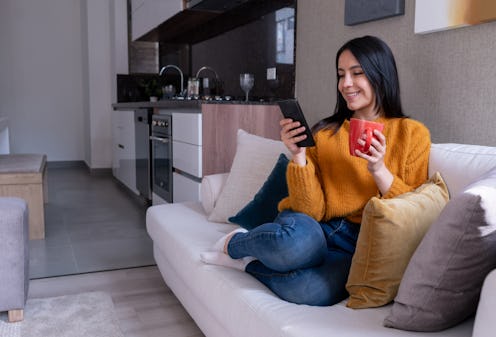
228, 302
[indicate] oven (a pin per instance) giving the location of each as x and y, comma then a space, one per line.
161, 144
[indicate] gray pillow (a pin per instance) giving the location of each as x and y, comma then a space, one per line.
442, 283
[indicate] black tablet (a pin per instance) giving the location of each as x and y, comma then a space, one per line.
291, 109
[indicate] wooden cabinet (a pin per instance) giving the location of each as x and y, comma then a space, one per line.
123, 148
221, 123
148, 14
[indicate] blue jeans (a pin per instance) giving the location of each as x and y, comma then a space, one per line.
299, 259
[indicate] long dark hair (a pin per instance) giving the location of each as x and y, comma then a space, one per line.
378, 64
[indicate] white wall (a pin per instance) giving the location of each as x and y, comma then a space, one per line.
57, 76
41, 76
100, 83
148, 14
85, 78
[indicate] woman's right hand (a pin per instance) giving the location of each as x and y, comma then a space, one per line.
292, 133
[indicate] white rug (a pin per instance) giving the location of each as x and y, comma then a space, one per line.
82, 315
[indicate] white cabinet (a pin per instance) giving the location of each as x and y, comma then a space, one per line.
186, 155
184, 188
187, 143
148, 14
123, 148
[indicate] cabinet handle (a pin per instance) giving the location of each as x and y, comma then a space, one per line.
120, 145
160, 139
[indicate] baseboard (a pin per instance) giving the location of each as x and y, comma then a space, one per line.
66, 164
100, 171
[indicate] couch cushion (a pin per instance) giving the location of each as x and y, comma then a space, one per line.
210, 189
460, 164
237, 301
390, 232
263, 207
443, 280
254, 159
484, 321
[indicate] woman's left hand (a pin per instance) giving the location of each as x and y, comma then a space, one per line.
377, 151
375, 158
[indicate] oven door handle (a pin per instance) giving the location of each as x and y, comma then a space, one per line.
160, 139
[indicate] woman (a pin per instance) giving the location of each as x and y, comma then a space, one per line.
304, 256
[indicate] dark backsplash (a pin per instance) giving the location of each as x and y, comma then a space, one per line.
267, 42
131, 88
251, 48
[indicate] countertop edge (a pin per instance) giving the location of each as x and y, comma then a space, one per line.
171, 104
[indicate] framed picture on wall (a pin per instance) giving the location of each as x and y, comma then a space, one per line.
361, 11
432, 16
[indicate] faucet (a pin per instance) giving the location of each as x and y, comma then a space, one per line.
217, 81
180, 73
207, 68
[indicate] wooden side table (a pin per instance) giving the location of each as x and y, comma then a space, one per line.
24, 176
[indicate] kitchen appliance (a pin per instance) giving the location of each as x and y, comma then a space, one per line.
161, 160
142, 125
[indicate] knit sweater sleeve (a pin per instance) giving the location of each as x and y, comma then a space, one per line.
304, 187
417, 144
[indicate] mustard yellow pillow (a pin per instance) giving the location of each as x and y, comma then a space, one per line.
390, 232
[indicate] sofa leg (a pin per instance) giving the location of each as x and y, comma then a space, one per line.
16, 315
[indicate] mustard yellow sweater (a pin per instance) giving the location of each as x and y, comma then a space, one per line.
336, 184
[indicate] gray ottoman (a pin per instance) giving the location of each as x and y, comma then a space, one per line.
14, 253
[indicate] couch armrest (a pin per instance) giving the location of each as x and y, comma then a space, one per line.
485, 324
211, 187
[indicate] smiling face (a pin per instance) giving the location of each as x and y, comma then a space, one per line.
355, 87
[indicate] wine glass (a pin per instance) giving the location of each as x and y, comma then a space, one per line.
246, 82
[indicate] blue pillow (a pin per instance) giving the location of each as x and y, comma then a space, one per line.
263, 207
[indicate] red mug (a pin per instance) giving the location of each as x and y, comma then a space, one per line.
362, 129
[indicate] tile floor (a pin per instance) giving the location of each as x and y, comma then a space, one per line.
91, 224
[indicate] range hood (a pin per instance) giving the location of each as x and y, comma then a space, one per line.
204, 19
214, 5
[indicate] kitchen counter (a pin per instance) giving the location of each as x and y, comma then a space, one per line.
181, 104
160, 105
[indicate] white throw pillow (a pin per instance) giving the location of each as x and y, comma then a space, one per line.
254, 159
